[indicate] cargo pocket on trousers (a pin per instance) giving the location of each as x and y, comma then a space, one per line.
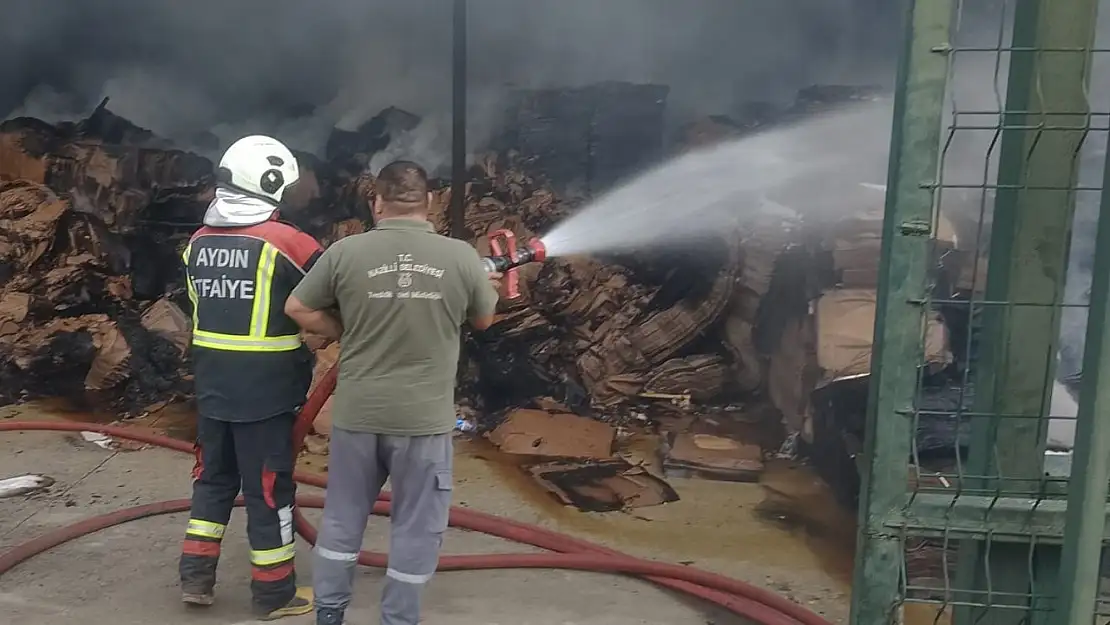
442, 501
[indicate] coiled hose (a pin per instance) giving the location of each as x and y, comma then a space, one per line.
760, 606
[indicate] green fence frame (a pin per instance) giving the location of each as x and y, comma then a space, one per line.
1014, 544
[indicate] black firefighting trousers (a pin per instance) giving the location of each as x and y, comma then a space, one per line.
258, 457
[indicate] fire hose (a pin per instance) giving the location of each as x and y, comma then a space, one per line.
756, 604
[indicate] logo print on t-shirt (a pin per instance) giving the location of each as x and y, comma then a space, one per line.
405, 266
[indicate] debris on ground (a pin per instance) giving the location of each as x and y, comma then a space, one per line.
539, 433
102, 441
712, 457
80, 204
605, 486
24, 485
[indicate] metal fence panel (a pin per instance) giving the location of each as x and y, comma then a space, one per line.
996, 135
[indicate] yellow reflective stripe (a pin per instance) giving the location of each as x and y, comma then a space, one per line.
189, 282
270, 557
205, 529
245, 346
192, 296
235, 342
256, 340
263, 283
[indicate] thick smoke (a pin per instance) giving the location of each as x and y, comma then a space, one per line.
296, 69
1091, 175
978, 93
1092, 167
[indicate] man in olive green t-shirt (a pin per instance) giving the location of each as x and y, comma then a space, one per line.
402, 293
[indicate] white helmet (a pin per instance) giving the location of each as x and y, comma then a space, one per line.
259, 165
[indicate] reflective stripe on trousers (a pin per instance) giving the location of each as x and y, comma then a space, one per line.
270, 557
205, 529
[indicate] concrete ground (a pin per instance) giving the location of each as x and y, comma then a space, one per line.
127, 575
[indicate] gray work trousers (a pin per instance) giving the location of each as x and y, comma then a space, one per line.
419, 468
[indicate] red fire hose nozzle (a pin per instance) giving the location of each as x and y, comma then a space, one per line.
506, 257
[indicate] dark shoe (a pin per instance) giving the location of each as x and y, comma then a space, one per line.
301, 603
329, 616
198, 598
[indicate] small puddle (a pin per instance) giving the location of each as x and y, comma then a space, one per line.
800, 504
61, 408
789, 520
178, 420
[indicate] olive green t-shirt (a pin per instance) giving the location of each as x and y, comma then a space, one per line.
403, 293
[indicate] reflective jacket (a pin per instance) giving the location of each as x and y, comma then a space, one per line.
248, 357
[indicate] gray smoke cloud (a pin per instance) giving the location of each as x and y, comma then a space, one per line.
977, 94
1091, 175
297, 69
1092, 166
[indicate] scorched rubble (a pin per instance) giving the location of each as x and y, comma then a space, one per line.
93, 216
79, 263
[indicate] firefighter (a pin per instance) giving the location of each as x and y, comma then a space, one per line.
252, 375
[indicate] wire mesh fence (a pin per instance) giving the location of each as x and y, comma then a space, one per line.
997, 173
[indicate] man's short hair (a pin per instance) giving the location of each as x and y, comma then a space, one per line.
403, 184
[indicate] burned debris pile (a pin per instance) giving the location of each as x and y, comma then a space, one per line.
770, 322
87, 243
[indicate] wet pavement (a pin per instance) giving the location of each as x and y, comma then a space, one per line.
785, 533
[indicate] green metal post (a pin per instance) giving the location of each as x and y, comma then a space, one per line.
1090, 472
1027, 266
911, 187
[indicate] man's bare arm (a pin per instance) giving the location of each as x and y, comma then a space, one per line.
481, 323
319, 322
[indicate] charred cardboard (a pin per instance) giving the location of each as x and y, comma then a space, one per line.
110, 366
845, 321
713, 457
166, 319
702, 377
592, 331
605, 486
15, 308
834, 343
855, 244
554, 435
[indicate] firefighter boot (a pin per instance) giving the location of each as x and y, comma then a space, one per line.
198, 579
198, 598
329, 616
301, 603
197, 568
